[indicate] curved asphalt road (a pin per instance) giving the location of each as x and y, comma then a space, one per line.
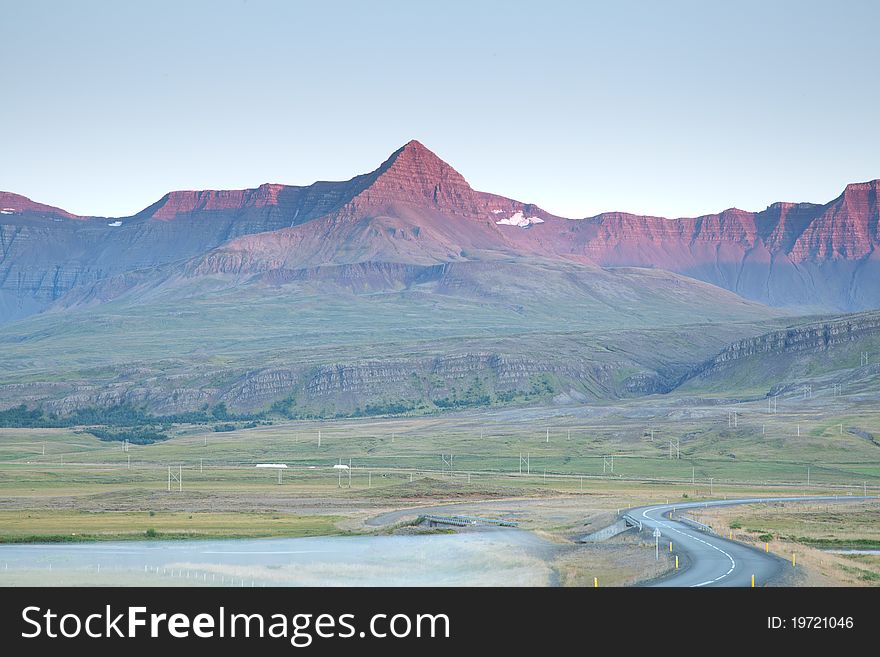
713, 560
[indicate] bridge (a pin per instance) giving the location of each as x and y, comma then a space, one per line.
465, 521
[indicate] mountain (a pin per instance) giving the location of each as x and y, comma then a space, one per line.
791, 254
15, 204
416, 211
403, 288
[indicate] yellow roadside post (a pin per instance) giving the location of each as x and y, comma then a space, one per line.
793, 560
670, 546
766, 547
676, 562
596, 582
753, 581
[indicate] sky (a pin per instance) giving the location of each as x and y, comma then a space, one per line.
672, 108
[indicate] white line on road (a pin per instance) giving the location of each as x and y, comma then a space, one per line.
714, 547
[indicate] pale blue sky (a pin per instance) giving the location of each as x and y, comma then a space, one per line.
673, 108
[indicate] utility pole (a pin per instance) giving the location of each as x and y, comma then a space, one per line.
178, 478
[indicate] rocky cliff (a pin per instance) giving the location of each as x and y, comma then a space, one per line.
459, 380
811, 348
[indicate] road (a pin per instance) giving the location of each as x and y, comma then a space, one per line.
713, 560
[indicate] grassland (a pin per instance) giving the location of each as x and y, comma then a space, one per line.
68, 526
548, 467
537, 452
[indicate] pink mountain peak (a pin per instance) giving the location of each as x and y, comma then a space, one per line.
414, 174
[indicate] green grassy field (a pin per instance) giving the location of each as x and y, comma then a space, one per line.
535, 452
74, 526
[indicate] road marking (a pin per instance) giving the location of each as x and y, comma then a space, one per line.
662, 508
700, 540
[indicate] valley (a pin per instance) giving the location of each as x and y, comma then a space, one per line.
402, 342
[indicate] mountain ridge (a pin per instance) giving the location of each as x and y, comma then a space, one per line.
416, 208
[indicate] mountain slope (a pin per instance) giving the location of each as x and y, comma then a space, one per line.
828, 355
339, 337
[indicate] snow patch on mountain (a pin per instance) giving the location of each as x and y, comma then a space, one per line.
518, 219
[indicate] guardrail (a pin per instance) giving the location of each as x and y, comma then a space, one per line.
696, 524
632, 522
